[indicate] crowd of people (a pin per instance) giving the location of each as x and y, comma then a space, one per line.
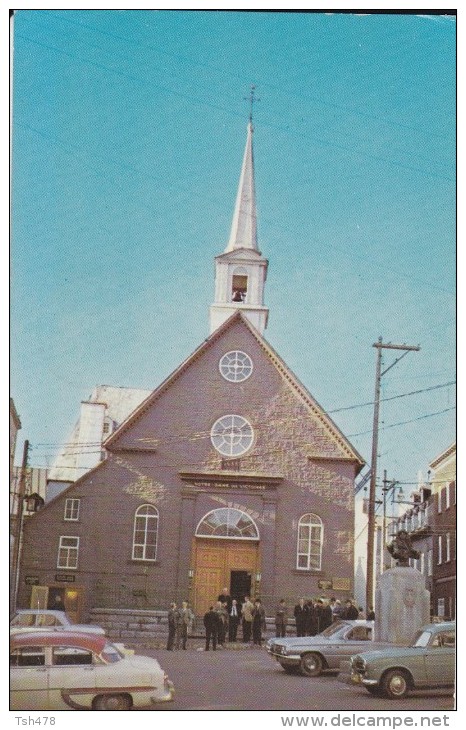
224, 618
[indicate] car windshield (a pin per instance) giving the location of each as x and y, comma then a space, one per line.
422, 638
334, 628
23, 619
110, 654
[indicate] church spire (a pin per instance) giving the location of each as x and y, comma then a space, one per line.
244, 226
241, 270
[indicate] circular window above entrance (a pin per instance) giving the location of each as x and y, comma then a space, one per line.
232, 435
235, 366
227, 522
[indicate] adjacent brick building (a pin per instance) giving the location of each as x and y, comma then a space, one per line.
444, 538
228, 474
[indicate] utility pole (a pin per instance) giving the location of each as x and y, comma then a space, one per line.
375, 439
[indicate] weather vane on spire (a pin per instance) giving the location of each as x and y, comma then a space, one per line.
252, 99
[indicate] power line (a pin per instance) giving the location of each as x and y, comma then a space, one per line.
393, 397
202, 102
239, 77
204, 433
402, 423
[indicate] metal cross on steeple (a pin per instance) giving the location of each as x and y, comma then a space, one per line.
252, 99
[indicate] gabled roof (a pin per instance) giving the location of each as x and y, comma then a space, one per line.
349, 453
448, 453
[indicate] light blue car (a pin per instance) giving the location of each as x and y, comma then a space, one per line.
429, 662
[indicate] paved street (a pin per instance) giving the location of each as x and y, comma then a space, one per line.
249, 679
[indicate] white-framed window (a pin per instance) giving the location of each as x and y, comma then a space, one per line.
227, 522
68, 551
310, 540
440, 607
439, 500
72, 506
447, 495
439, 561
232, 435
235, 366
422, 563
146, 525
429, 562
447, 547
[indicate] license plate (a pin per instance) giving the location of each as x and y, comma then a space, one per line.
356, 677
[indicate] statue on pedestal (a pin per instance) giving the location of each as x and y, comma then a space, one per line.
402, 550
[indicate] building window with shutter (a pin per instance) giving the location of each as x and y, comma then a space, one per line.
447, 548
429, 562
439, 561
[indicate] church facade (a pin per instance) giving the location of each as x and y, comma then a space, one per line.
229, 474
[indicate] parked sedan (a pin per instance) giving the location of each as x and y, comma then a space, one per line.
31, 619
64, 670
312, 655
393, 672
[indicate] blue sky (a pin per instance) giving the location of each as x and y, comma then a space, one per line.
128, 134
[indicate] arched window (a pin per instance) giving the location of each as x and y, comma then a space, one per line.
310, 538
146, 523
227, 522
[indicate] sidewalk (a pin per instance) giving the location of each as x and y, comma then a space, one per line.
196, 643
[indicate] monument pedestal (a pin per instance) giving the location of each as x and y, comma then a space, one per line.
402, 605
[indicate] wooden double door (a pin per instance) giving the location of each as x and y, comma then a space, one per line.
223, 563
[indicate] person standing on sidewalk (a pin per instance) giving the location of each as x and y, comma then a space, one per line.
246, 613
281, 618
258, 622
172, 621
186, 621
233, 621
211, 623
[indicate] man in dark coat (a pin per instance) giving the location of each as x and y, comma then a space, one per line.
211, 623
172, 622
350, 611
258, 622
281, 618
324, 616
301, 613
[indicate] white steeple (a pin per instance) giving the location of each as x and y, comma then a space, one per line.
240, 272
244, 226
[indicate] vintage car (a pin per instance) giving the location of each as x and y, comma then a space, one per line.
63, 670
31, 619
312, 655
392, 672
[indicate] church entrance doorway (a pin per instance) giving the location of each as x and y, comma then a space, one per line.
240, 584
223, 563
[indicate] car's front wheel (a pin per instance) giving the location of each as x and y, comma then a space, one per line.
112, 702
311, 664
395, 684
